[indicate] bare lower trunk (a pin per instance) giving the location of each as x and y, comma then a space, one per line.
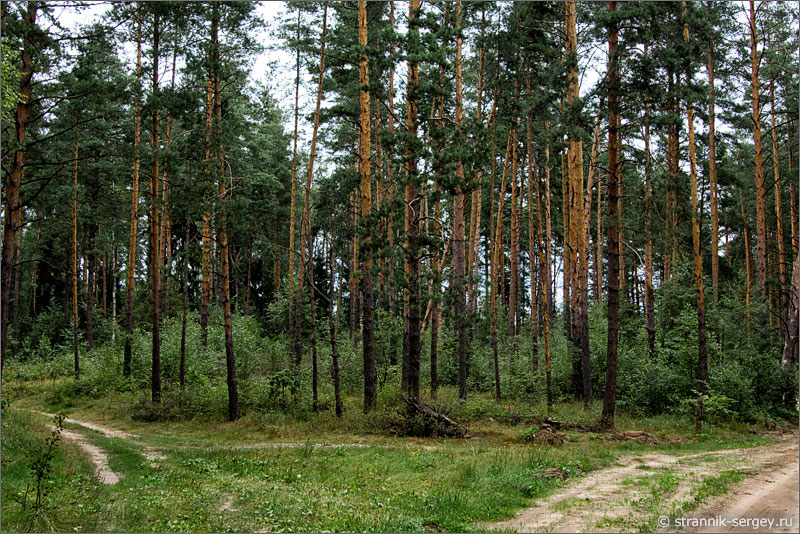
75, 255
496, 269
459, 267
547, 262
292, 209
370, 370
781, 259
182, 370
411, 323
696, 247
13, 211
155, 249
577, 216
17, 276
531, 240
92, 262
761, 225
649, 295
791, 340
333, 325
313, 310
222, 231
610, 396
712, 176
132, 246
748, 274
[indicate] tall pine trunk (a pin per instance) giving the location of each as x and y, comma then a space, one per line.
155, 250
132, 245
610, 396
781, 259
184, 309
75, 254
748, 273
712, 179
532, 249
545, 255
294, 329
390, 189
791, 342
761, 223
475, 200
370, 370
459, 267
577, 231
17, 276
496, 268
333, 325
90, 282
411, 323
207, 251
305, 227
696, 247
13, 210
165, 230
649, 294
222, 230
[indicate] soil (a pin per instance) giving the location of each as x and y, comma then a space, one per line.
772, 494
607, 500
97, 456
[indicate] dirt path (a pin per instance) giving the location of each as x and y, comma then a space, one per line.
771, 497
627, 497
97, 456
109, 432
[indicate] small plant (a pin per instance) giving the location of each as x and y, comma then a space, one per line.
529, 432
42, 466
280, 388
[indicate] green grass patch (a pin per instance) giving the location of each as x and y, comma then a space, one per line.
295, 471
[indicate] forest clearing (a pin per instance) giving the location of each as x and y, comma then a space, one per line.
400, 266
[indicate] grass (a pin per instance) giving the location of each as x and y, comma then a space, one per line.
369, 481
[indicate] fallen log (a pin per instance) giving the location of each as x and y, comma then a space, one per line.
419, 419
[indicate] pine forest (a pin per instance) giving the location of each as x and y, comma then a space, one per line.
399, 266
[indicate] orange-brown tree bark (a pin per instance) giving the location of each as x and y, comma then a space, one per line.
292, 209
610, 395
577, 233
783, 320
370, 370
76, 355
205, 262
712, 181
12, 218
761, 222
459, 266
411, 304
155, 250
702, 350
222, 230
132, 244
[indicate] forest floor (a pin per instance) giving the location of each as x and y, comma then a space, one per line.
278, 472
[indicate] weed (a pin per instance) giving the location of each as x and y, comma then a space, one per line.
42, 466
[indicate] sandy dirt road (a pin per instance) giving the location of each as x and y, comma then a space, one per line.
766, 502
630, 497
